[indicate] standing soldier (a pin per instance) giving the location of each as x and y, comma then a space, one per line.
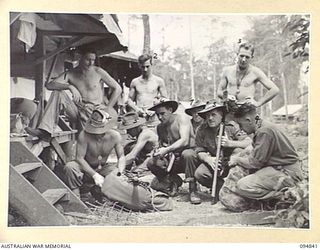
145, 88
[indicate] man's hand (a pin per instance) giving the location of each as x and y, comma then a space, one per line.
252, 101
160, 151
141, 112
225, 142
150, 113
233, 161
211, 161
98, 179
75, 94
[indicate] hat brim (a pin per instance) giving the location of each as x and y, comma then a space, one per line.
203, 112
139, 122
173, 104
101, 130
189, 110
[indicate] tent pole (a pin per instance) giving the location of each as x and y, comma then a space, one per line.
39, 71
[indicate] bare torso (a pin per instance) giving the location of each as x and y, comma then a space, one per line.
247, 82
100, 148
88, 83
146, 90
170, 133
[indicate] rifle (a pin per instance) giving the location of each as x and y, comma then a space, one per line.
219, 151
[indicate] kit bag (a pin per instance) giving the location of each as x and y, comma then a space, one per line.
133, 194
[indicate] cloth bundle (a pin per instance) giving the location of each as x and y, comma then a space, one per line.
134, 194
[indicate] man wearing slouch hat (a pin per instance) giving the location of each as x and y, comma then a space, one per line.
94, 146
175, 135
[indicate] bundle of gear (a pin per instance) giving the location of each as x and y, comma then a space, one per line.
134, 194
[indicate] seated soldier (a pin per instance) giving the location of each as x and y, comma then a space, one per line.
203, 156
94, 146
175, 134
85, 82
196, 120
273, 162
145, 140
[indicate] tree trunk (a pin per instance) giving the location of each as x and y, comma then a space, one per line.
146, 38
191, 61
269, 113
284, 86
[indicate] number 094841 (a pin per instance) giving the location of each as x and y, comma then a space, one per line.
308, 246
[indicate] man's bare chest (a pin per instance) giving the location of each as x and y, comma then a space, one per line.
245, 79
103, 148
173, 133
146, 87
87, 81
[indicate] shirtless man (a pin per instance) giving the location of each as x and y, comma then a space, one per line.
85, 83
175, 134
95, 144
240, 80
145, 88
144, 140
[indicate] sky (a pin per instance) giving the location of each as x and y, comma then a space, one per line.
174, 31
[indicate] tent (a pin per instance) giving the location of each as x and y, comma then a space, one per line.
293, 112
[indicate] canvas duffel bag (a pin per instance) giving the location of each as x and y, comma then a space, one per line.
134, 194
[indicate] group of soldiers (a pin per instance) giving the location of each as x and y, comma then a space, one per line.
257, 162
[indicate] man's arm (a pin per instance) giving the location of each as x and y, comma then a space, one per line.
273, 90
241, 161
120, 153
223, 84
116, 89
81, 153
132, 98
63, 83
162, 88
59, 83
235, 144
260, 155
235, 137
141, 142
184, 131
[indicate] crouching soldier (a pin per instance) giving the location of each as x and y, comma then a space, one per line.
144, 140
94, 146
196, 120
203, 156
175, 135
272, 165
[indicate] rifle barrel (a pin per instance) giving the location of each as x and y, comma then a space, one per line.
214, 181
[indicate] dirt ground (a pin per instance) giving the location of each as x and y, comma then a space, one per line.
186, 214
183, 213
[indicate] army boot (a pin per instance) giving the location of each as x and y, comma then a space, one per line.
194, 197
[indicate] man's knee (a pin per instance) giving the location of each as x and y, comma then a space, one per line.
198, 174
247, 186
71, 167
188, 154
242, 184
202, 176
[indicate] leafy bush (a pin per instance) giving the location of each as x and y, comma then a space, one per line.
297, 215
